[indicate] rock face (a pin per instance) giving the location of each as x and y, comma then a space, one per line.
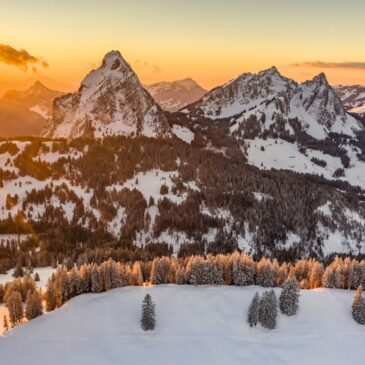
110, 101
175, 95
270, 102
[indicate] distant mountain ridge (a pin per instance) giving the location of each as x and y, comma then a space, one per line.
26, 112
175, 95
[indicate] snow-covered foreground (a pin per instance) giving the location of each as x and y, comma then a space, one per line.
195, 325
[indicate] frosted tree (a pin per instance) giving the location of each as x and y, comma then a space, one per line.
148, 318
266, 275
137, 277
33, 305
316, 274
180, 276
15, 308
160, 271
253, 311
239, 276
5, 323
96, 280
331, 277
358, 306
2, 293
75, 283
50, 296
289, 297
268, 310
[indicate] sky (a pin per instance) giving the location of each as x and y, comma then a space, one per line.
209, 40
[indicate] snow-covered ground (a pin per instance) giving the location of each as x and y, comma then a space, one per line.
195, 325
43, 272
279, 154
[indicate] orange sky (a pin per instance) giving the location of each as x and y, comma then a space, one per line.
210, 41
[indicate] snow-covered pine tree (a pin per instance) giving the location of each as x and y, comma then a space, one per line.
358, 306
331, 277
266, 274
253, 311
148, 318
239, 276
15, 307
33, 305
268, 311
289, 297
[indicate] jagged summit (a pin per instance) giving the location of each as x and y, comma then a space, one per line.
110, 101
269, 101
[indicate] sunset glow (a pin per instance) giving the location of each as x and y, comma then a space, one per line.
210, 41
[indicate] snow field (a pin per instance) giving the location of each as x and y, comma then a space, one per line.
195, 325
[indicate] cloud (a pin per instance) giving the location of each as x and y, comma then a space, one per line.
320, 64
145, 65
21, 59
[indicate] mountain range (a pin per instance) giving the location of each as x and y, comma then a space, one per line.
261, 163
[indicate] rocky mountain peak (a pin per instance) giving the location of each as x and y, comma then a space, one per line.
110, 101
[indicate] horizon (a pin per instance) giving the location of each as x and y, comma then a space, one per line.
170, 40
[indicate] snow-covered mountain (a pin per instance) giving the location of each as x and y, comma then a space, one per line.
38, 98
110, 101
268, 101
353, 98
175, 95
26, 112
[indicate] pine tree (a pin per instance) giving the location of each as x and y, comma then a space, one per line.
15, 308
289, 297
2, 293
253, 311
36, 277
239, 277
268, 311
33, 305
358, 306
96, 280
5, 323
148, 318
50, 296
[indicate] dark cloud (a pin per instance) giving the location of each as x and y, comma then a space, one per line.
320, 64
21, 59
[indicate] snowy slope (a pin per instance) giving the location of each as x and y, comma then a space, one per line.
353, 97
195, 325
282, 155
175, 95
110, 101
